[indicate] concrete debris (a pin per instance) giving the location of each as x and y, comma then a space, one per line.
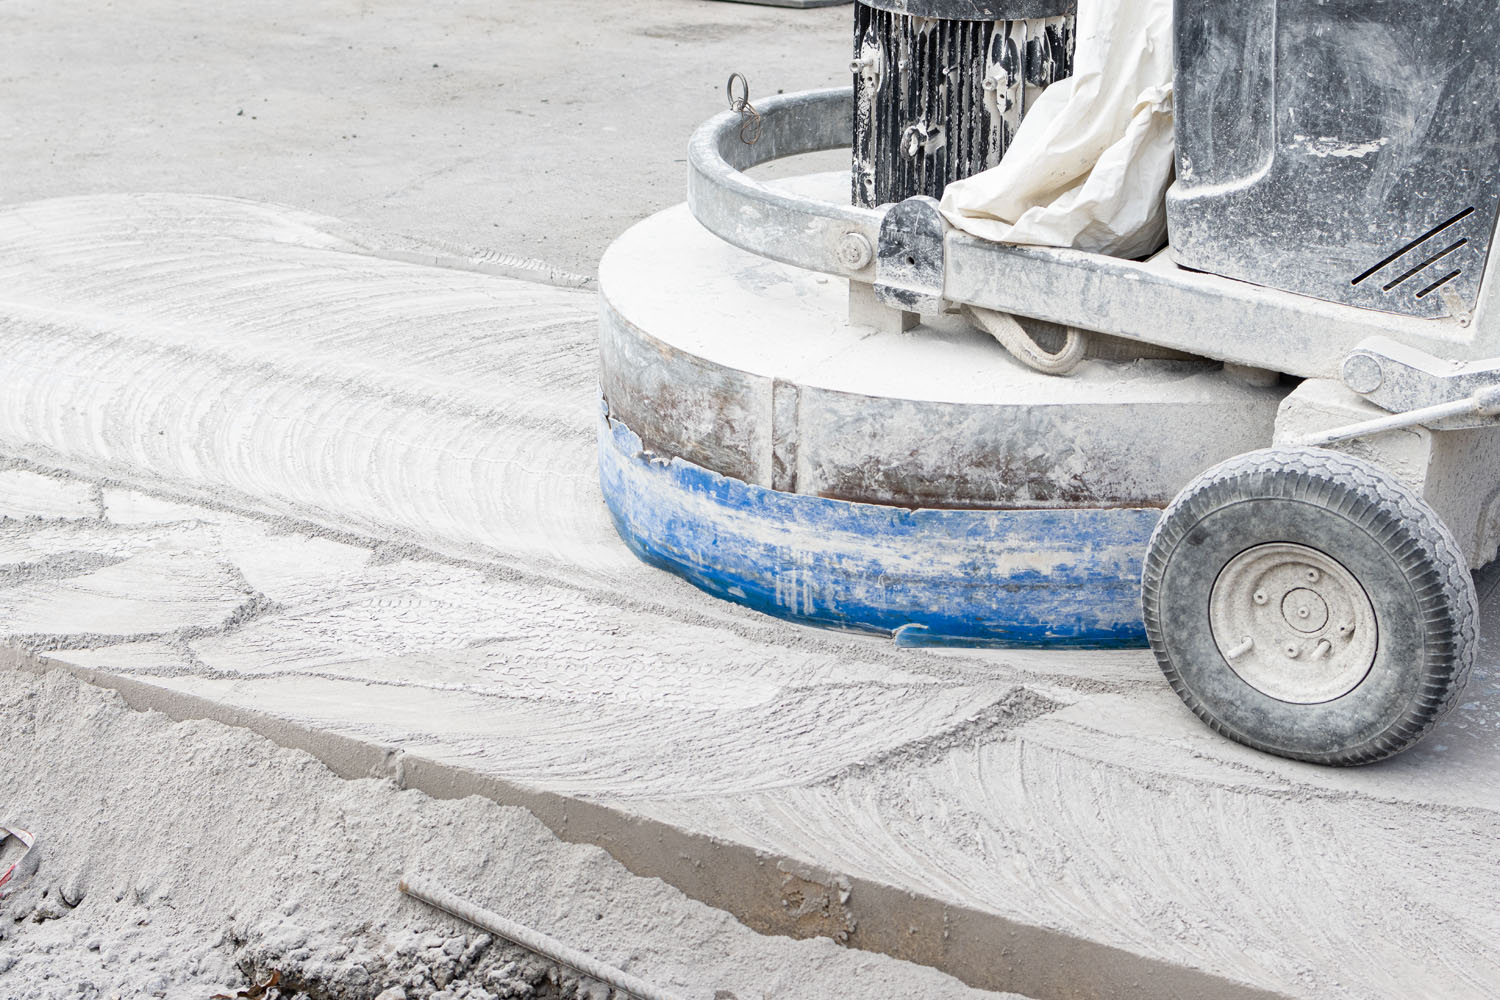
216, 862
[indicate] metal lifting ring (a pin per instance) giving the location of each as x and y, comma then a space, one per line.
743, 101
751, 125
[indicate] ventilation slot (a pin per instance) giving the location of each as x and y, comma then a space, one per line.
1417, 269
1424, 266
1438, 284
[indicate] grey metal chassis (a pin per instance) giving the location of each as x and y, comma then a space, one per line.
916, 261
1367, 373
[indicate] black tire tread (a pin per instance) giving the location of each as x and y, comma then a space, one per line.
1377, 501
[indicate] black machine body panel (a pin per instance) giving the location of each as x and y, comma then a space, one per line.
977, 10
1343, 149
940, 86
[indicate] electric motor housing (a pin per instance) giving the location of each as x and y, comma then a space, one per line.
940, 87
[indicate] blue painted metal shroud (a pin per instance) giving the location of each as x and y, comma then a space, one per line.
930, 577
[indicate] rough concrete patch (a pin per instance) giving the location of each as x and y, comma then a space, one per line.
817, 902
137, 814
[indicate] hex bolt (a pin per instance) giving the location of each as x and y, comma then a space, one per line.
855, 251
1313, 576
913, 140
1261, 597
1292, 651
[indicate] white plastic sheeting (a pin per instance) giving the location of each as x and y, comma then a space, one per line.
1090, 165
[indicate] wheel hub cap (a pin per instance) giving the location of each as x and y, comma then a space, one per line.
1305, 611
1293, 623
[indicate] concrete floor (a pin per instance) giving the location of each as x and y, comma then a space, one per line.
253, 468
255, 474
542, 127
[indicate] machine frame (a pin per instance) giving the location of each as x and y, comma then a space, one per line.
915, 260
1249, 599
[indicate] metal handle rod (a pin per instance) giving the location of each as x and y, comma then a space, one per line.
1485, 402
529, 939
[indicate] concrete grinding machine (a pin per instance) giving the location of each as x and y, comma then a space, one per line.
1269, 450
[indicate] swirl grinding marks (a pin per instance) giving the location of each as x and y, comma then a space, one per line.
426, 563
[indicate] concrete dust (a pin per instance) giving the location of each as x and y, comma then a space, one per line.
307, 386
180, 860
243, 463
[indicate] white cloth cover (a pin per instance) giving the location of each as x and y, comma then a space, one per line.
1090, 165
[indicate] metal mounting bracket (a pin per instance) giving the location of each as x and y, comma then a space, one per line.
909, 262
1403, 379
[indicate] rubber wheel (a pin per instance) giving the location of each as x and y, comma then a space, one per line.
1308, 604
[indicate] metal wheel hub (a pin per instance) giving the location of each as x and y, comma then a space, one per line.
1293, 623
